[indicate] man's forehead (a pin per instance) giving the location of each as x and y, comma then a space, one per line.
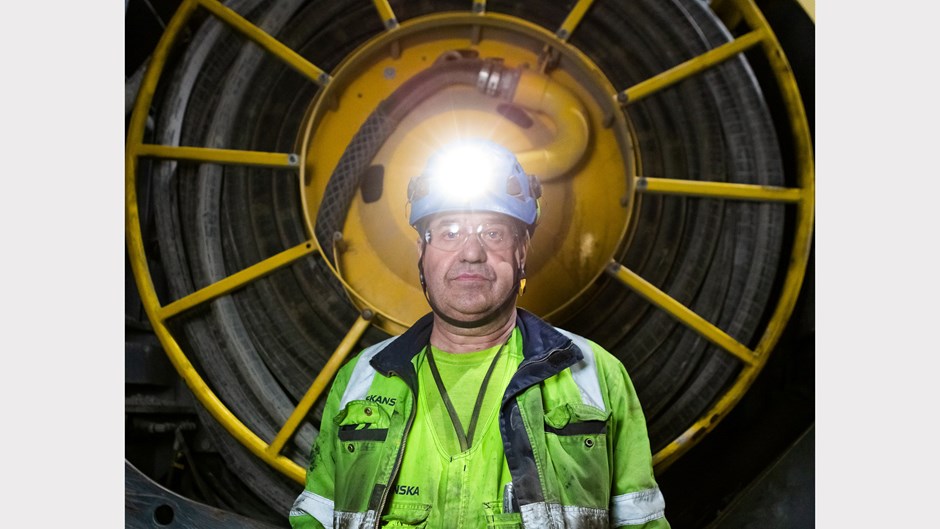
464, 217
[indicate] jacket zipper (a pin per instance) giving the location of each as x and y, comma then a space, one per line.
401, 447
520, 392
398, 459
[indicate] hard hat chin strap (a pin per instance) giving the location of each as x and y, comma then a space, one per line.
520, 269
424, 284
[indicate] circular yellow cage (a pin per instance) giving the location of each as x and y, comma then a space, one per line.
677, 211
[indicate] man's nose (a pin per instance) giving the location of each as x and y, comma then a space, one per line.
473, 249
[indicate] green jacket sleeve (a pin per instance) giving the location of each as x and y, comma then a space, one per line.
636, 501
313, 509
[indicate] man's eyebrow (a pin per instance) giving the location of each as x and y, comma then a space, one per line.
444, 220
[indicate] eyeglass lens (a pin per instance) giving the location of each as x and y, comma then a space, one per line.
452, 236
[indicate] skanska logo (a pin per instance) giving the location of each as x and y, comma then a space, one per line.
405, 490
379, 399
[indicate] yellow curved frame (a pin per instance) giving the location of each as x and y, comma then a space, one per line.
535, 91
802, 197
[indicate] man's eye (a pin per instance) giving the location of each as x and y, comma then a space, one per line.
493, 235
449, 233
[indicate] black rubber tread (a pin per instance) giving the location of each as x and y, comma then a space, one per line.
678, 157
201, 334
177, 245
670, 145
264, 217
270, 407
758, 238
666, 374
639, 349
215, 220
275, 489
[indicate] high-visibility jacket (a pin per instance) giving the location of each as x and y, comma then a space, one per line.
574, 437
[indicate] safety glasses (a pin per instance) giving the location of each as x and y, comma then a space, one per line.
451, 236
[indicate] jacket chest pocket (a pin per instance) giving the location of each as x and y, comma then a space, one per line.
576, 442
361, 432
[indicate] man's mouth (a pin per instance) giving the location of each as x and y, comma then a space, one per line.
470, 277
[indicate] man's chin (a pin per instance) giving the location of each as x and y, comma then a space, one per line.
466, 318
474, 315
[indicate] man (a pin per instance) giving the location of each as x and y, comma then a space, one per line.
481, 414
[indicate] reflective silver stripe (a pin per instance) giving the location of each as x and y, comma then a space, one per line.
637, 507
535, 515
543, 514
314, 505
363, 374
354, 520
585, 372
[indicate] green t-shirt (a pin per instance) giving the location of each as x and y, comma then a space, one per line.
437, 481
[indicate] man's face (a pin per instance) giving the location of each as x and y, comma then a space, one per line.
473, 277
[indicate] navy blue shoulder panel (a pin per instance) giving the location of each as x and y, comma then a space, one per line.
546, 352
538, 337
395, 358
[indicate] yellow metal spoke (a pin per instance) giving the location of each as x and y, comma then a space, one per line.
690, 67
728, 190
385, 11
682, 313
266, 41
574, 17
321, 382
223, 156
802, 239
237, 280
220, 412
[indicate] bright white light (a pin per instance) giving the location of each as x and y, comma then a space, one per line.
466, 171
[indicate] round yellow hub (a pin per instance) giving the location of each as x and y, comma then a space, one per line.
587, 171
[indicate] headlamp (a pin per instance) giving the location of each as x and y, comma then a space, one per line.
468, 170
474, 175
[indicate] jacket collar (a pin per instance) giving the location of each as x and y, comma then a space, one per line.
396, 356
539, 340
